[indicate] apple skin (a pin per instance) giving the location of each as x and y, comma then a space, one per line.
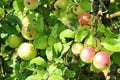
31, 4
26, 51
29, 35
87, 54
77, 10
60, 4
101, 60
14, 41
77, 48
84, 18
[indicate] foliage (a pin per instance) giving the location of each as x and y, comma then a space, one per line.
58, 28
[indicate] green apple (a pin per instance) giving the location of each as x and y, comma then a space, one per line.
14, 41
60, 4
29, 35
77, 9
26, 51
77, 48
31, 4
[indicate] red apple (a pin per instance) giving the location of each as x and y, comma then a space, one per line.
87, 54
84, 18
101, 60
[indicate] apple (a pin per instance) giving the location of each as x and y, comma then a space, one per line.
14, 41
31, 4
26, 51
84, 18
77, 9
60, 4
101, 60
77, 48
29, 35
87, 54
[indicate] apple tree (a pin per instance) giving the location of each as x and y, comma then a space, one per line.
60, 39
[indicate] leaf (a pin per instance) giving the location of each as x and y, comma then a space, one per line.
70, 73
111, 44
51, 68
66, 47
84, 6
116, 58
7, 27
81, 34
18, 5
49, 53
15, 20
67, 33
58, 47
101, 27
54, 30
55, 77
40, 41
39, 24
38, 61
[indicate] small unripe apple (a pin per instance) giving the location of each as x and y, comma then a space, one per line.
77, 48
87, 54
26, 51
101, 60
84, 18
60, 4
77, 9
31, 4
14, 41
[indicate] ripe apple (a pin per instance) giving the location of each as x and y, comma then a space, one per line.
77, 48
60, 4
101, 60
84, 18
87, 54
26, 51
29, 35
31, 4
14, 41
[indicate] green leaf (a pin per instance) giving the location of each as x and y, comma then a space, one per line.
14, 19
90, 40
66, 47
58, 47
51, 68
40, 41
49, 53
111, 44
38, 61
7, 27
54, 30
116, 58
101, 27
55, 77
67, 33
39, 24
18, 5
70, 73
86, 5
81, 34
51, 40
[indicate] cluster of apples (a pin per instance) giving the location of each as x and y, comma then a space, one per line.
100, 59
